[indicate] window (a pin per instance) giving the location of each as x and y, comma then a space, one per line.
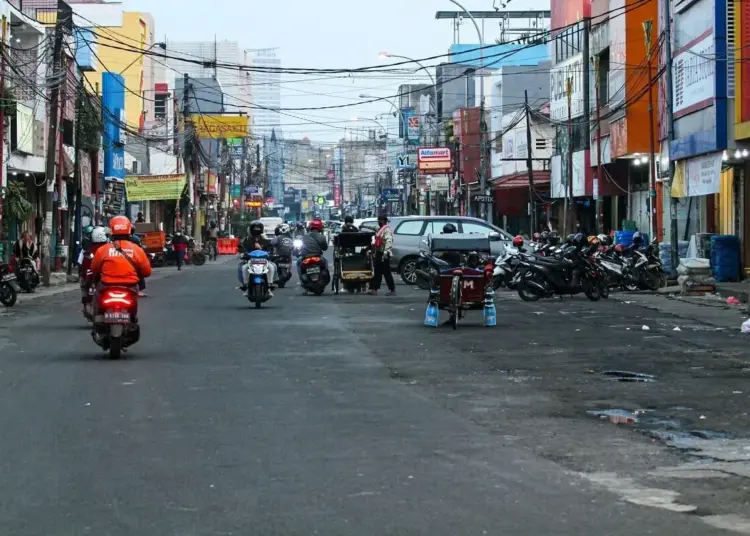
411, 228
436, 226
477, 228
160, 106
603, 77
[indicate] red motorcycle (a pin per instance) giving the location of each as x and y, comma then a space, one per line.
116, 320
88, 288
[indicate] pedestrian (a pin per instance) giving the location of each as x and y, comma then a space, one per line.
139, 218
383, 249
179, 244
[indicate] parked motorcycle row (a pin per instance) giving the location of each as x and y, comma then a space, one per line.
594, 266
25, 278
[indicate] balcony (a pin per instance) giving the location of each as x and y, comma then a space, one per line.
43, 11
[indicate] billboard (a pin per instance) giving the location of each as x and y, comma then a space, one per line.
154, 187
694, 78
411, 119
113, 103
434, 159
570, 70
219, 126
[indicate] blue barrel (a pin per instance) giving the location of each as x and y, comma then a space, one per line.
665, 253
725, 258
626, 238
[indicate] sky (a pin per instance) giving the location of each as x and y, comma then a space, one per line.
329, 34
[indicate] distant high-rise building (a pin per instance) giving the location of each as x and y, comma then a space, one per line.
195, 61
266, 90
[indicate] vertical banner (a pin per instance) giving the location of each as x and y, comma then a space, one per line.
411, 123
337, 194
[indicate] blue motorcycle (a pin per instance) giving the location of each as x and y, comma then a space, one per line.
258, 284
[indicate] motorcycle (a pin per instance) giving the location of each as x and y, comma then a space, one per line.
8, 286
27, 276
116, 321
88, 289
314, 276
284, 268
258, 284
570, 273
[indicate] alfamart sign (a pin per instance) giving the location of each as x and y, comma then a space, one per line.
434, 159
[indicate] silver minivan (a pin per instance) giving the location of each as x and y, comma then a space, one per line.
408, 232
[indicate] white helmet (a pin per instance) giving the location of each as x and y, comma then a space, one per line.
284, 228
99, 235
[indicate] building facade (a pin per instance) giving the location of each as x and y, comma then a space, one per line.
265, 88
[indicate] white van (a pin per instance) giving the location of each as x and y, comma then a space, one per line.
269, 224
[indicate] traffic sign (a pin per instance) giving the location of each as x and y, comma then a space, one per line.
320, 200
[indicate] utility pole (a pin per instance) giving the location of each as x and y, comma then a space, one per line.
2, 114
243, 176
94, 157
341, 173
77, 179
654, 218
529, 164
52, 133
569, 185
186, 151
587, 102
673, 234
599, 174
483, 212
257, 176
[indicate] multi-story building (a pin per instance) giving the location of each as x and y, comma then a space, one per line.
201, 59
266, 90
741, 51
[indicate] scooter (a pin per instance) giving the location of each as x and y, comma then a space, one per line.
314, 276
8, 286
28, 277
258, 284
116, 321
284, 267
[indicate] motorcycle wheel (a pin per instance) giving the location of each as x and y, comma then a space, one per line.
527, 294
115, 347
423, 283
650, 281
198, 258
591, 289
8, 295
604, 287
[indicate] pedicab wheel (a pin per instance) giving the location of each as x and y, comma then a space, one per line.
455, 300
115, 347
8, 295
198, 258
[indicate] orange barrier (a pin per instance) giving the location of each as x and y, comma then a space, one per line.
227, 246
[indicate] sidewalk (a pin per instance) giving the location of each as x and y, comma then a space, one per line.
711, 310
61, 284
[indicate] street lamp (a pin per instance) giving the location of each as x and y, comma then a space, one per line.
484, 213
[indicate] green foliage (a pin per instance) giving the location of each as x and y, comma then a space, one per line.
8, 102
88, 124
15, 203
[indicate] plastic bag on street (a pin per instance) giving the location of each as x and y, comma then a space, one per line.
745, 326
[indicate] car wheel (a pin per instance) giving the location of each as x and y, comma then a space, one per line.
408, 270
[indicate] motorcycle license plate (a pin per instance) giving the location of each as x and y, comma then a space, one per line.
9, 277
116, 318
313, 271
284, 265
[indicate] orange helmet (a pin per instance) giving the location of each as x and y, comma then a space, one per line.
120, 226
316, 225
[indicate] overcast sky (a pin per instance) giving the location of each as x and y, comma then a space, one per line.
327, 34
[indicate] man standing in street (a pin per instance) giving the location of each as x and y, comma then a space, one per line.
179, 244
383, 249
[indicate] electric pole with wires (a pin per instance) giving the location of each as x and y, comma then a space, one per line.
63, 24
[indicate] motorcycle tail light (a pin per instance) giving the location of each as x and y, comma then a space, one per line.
311, 260
116, 297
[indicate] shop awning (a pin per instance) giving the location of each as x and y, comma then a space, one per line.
521, 180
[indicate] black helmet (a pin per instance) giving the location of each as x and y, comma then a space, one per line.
449, 228
579, 240
348, 219
637, 238
256, 228
277, 231
569, 239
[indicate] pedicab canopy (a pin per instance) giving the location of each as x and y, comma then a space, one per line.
460, 243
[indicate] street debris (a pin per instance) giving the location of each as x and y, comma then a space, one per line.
677, 328
627, 376
615, 416
645, 328
746, 326
731, 300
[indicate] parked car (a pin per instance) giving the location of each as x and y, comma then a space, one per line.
367, 223
408, 232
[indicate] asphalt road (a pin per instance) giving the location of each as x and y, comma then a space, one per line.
345, 416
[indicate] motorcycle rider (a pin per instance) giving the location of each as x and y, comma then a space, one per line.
121, 263
282, 243
314, 244
256, 240
98, 239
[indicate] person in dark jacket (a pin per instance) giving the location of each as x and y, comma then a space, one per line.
135, 239
349, 226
